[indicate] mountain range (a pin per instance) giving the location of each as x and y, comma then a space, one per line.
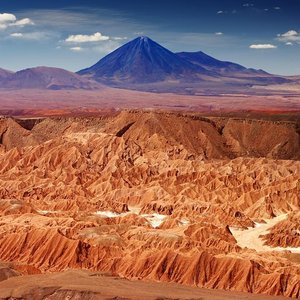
142, 64
142, 61
45, 78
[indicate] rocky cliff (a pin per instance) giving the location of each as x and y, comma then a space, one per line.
154, 197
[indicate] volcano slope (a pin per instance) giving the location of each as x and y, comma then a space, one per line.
153, 197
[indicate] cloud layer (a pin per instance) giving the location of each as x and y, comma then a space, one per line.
81, 38
76, 49
9, 20
289, 37
262, 46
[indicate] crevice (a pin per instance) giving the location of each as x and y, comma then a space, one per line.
2, 136
121, 132
28, 124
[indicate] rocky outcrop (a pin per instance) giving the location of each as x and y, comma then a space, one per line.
286, 233
150, 201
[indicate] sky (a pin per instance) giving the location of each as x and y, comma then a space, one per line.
75, 34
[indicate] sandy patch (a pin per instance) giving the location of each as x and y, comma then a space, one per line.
250, 238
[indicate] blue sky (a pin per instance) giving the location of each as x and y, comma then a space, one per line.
262, 34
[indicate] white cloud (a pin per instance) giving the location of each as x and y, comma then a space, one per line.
277, 8
219, 33
248, 4
262, 46
290, 33
220, 12
118, 38
7, 20
81, 38
76, 49
291, 36
107, 47
103, 48
37, 36
23, 22
289, 44
17, 35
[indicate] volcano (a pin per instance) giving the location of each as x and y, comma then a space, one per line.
142, 64
142, 61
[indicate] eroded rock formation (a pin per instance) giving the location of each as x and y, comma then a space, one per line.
152, 196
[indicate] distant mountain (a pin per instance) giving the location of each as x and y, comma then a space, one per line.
208, 62
232, 70
143, 64
5, 73
142, 61
45, 78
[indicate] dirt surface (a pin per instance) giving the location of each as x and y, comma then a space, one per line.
81, 102
95, 286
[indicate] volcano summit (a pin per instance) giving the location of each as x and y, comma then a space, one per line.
140, 61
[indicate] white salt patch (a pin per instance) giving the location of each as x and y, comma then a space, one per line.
293, 250
257, 225
134, 209
184, 222
155, 219
250, 238
15, 206
45, 212
110, 214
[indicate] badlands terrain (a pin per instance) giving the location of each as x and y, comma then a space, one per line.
150, 205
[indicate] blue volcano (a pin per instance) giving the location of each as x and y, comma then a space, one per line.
141, 61
143, 64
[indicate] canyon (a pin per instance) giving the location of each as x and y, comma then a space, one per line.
190, 205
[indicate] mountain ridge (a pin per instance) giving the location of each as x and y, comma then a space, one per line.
145, 65
207, 61
141, 60
45, 78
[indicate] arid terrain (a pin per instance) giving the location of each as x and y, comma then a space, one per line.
81, 102
106, 207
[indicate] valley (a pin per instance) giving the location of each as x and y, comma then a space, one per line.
69, 103
132, 198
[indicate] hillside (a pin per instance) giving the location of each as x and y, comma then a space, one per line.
151, 196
